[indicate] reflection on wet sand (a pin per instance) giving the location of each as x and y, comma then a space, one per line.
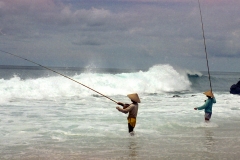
133, 154
209, 140
209, 144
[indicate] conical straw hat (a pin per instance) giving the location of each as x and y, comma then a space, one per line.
134, 97
209, 93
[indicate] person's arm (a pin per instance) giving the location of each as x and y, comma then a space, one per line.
120, 103
125, 110
214, 100
125, 105
203, 106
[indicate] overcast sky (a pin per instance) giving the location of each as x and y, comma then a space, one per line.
128, 34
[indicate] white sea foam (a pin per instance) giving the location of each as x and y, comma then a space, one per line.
52, 118
158, 79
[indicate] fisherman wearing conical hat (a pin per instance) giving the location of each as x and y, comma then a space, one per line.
132, 110
208, 105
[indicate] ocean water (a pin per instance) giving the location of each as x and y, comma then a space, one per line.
46, 116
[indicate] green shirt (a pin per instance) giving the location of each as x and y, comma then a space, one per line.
208, 105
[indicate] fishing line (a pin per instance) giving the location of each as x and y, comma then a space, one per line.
57, 73
209, 77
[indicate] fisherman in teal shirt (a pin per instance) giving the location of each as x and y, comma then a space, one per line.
208, 105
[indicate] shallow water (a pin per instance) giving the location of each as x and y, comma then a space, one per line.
68, 122
166, 129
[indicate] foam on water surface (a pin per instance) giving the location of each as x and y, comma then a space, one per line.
54, 118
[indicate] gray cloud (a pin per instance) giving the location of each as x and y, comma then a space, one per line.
109, 31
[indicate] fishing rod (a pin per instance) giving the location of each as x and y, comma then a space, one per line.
209, 77
57, 73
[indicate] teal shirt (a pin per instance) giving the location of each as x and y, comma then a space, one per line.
208, 105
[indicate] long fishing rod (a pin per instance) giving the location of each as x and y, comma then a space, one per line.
57, 73
209, 77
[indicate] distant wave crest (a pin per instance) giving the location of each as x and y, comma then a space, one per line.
158, 79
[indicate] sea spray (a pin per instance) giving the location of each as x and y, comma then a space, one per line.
158, 79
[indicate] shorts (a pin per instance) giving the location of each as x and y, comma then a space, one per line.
132, 121
208, 115
131, 124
